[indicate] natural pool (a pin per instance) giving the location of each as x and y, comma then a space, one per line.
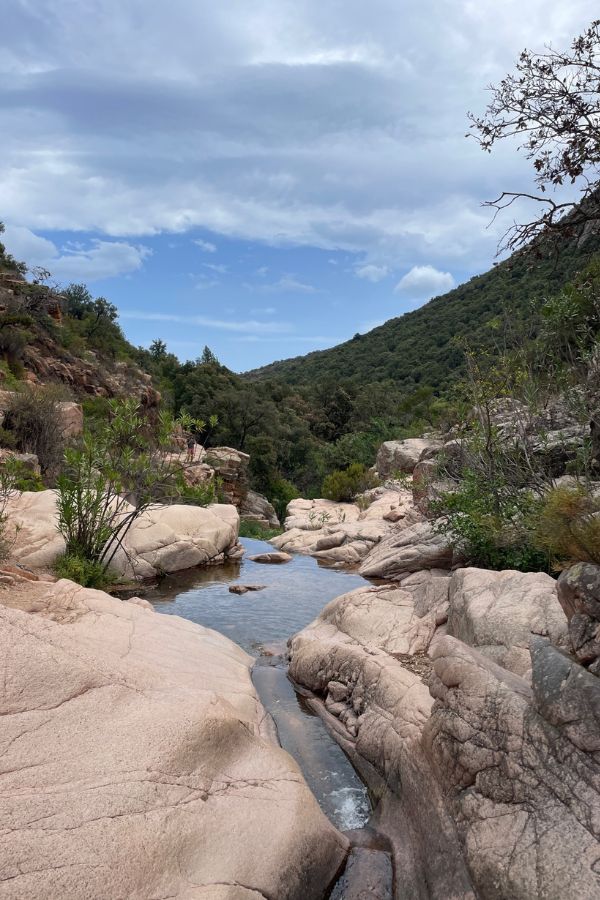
294, 594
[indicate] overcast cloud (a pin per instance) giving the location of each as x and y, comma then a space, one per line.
335, 124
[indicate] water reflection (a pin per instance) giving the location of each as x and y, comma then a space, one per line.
294, 594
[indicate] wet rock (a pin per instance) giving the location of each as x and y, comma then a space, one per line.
368, 874
245, 588
271, 558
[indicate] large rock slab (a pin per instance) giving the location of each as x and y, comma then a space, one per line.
410, 549
401, 456
164, 539
497, 612
525, 795
258, 509
132, 761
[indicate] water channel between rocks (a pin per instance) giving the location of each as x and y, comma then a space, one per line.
294, 594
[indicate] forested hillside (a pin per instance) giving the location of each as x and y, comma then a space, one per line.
301, 419
425, 347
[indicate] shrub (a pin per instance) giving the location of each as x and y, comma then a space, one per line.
34, 420
112, 478
568, 528
490, 524
86, 572
344, 484
250, 528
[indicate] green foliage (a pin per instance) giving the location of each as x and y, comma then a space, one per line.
108, 481
8, 379
86, 572
249, 528
7, 261
490, 524
423, 348
92, 324
344, 484
568, 527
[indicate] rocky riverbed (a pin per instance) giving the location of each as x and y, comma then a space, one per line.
138, 758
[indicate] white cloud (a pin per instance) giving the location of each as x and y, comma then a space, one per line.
264, 311
266, 121
252, 326
424, 282
288, 284
205, 245
219, 268
75, 261
372, 273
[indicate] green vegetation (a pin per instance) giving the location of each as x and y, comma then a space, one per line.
112, 477
344, 484
249, 528
88, 573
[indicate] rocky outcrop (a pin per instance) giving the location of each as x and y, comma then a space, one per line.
506, 763
231, 468
402, 456
258, 509
135, 762
164, 539
410, 549
357, 656
497, 612
344, 533
525, 792
579, 596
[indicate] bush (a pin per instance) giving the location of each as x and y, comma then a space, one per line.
568, 528
34, 420
491, 525
249, 528
344, 484
86, 572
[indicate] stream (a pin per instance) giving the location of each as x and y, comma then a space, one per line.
261, 622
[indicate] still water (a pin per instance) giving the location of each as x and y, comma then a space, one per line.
294, 594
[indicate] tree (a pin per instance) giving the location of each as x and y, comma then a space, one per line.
552, 102
208, 358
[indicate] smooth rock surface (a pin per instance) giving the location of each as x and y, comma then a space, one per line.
132, 761
274, 558
163, 539
408, 549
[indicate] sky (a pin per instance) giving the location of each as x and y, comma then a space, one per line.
264, 178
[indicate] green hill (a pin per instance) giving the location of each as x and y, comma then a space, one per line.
423, 347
